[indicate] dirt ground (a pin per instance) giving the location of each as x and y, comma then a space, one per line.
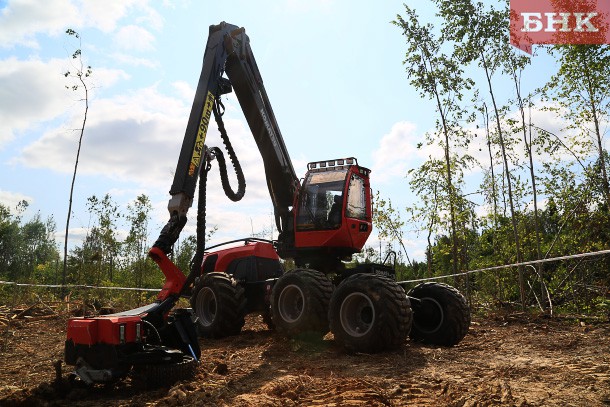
506, 360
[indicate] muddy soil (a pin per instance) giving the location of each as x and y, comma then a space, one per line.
509, 360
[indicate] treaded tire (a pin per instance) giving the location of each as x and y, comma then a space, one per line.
443, 318
164, 374
220, 305
268, 318
369, 314
299, 304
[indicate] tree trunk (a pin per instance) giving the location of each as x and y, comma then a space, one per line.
494, 192
450, 189
528, 150
80, 142
508, 183
430, 228
598, 136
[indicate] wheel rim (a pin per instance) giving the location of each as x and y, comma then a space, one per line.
357, 314
431, 316
206, 306
291, 303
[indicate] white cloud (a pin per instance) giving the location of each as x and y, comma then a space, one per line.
125, 137
396, 149
150, 17
483, 210
34, 92
136, 38
134, 61
75, 235
11, 199
105, 15
396, 152
30, 92
541, 204
104, 78
137, 137
184, 90
21, 20
541, 118
418, 255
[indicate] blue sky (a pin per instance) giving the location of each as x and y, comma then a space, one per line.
332, 69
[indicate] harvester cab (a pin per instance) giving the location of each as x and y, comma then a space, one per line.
333, 208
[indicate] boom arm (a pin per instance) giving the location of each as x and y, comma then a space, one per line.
247, 82
228, 50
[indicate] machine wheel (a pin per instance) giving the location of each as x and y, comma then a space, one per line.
220, 305
442, 316
370, 314
268, 318
299, 304
164, 374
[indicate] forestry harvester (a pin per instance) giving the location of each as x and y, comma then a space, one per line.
322, 221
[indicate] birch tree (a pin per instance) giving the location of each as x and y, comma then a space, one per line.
439, 77
78, 75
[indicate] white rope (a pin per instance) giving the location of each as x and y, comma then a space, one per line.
77, 286
525, 263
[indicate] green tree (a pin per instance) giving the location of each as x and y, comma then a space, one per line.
185, 251
425, 182
387, 220
439, 77
474, 29
10, 243
27, 249
136, 243
102, 236
580, 91
38, 240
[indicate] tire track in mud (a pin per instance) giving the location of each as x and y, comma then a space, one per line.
526, 362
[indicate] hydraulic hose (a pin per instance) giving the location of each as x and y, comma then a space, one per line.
195, 266
217, 152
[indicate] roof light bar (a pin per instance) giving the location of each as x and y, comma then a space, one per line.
332, 163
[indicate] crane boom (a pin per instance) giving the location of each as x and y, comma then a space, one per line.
228, 52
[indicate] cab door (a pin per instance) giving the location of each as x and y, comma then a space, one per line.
358, 216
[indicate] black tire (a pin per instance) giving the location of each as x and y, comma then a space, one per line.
299, 304
164, 374
220, 305
442, 316
369, 313
268, 319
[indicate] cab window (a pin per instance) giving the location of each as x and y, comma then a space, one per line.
321, 200
356, 198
